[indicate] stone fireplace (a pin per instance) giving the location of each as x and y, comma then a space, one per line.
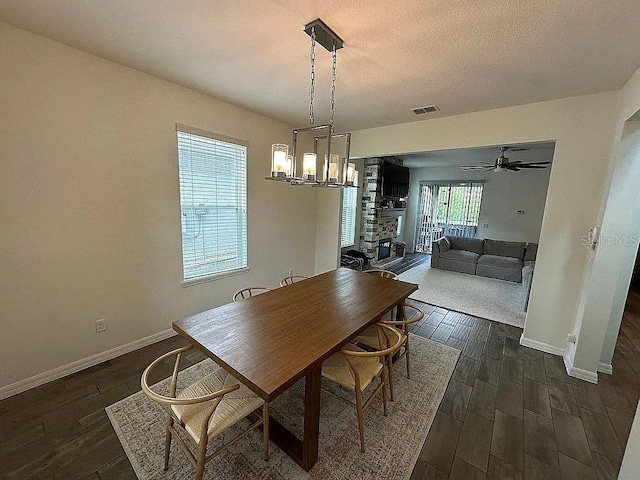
379, 226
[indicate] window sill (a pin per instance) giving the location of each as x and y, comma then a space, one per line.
210, 278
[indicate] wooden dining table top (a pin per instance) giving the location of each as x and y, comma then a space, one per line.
269, 341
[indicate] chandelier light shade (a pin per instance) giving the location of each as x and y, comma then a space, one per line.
280, 161
350, 174
332, 169
309, 161
333, 147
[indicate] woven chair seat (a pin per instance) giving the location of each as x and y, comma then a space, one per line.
336, 368
232, 407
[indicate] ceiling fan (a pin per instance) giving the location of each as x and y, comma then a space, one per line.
502, 163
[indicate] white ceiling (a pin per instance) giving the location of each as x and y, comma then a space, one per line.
535, 152
464, 55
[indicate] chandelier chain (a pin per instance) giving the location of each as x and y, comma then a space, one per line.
312, 86
334, 67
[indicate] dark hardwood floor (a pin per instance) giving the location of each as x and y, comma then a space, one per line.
509, 411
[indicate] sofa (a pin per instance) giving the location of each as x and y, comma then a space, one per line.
510, 261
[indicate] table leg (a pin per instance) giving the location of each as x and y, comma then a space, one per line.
304, 452
399, 312
312, 384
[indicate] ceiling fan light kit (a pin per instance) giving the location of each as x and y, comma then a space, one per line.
336, 169
502, 164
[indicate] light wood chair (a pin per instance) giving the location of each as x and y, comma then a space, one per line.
411, 314
382, 273
205, 410
249, 292
291, 279
356, 369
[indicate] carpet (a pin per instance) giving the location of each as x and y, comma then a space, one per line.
482, 297
392, 443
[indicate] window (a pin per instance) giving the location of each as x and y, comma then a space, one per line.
447, 208
213, 203
349, 207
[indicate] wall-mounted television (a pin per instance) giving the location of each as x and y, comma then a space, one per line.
395, 180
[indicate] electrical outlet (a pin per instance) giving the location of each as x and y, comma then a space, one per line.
101, 325
485, 225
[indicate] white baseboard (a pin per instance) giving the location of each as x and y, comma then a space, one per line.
605, 368
64, 370
545, 347
580, 373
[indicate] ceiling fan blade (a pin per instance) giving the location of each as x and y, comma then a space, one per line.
528, 165
523, 162
519, 149
476, 167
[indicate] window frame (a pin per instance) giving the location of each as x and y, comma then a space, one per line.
355, 216
187, 282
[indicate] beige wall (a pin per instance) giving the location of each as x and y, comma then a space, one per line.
90, 209
327, 244
609, 270
583, 128
502, 196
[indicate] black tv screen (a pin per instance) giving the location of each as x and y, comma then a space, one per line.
395, 180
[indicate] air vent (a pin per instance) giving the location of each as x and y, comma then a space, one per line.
427, 109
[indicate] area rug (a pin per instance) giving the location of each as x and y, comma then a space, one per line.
482, 297
393, 443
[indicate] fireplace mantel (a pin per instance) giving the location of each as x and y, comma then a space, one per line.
390, 212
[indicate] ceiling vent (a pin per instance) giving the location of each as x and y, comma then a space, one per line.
427, 109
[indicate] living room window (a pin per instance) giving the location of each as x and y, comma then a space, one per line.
213, 203
447, 208
349, 207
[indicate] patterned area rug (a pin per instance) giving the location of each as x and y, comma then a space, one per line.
482, 297
392, 443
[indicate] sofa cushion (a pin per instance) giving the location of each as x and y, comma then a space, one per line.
460, 256
530, 253
445, 244
469, 244
502, 262
503, 249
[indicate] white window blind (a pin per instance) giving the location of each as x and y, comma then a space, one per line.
349, 200
213, 203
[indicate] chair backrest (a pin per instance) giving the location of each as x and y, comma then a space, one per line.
382, 273
411, 314
388, 336
249, 292
171, 399
291, 279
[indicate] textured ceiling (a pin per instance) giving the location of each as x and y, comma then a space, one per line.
535, 152
464, 55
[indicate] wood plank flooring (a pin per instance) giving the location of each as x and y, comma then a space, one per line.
509, 411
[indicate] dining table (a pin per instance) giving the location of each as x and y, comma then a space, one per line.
270, 341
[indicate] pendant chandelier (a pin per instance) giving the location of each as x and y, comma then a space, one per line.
312, 143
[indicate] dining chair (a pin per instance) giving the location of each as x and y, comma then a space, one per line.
205, 410
291, 279
382, 273
249, 292
410, 315
355, 368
